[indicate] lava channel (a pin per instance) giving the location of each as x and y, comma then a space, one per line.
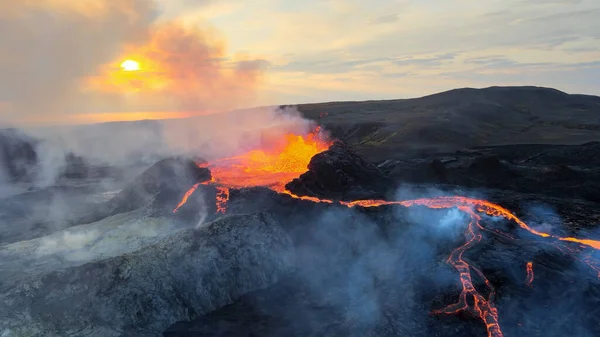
529, 277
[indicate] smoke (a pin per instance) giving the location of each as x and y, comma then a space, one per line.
60, 64
133, 146
186, 65
383, 272
49, 45
368, 268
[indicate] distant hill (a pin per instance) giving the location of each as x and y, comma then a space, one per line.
461, 118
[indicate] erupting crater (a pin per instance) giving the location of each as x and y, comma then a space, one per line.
275, 167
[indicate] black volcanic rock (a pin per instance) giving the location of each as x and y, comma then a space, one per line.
17, 155
164, 183
430, 171
439, 169
78, 167
143, 288
161, 187
340, 173
491, 170
487, 163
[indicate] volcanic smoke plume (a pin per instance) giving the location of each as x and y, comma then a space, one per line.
61, 64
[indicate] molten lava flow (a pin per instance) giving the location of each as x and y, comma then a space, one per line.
529, 279
185, 197
272, 167
275, 167
483, 206
222, 199
482, 307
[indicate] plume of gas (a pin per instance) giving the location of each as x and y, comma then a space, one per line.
369, 267
139, 144
77, 75
133, 147
60, 64
544, 217
562, 275
50, 45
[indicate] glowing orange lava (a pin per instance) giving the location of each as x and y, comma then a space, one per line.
273, 168
222, 199
185, 197
529, 279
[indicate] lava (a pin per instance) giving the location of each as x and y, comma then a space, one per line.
185, 197
482, 307
274, 167
222, 198
529, 268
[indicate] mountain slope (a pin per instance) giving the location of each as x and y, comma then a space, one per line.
461, 118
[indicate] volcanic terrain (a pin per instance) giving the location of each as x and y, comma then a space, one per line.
329, 232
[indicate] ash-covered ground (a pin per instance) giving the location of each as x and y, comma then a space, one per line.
101, 252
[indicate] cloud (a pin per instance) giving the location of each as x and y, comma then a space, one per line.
388, 18
185, 64
326, 64
47, 46
493, 43
499, 61
352, 49
421, 61
60, 63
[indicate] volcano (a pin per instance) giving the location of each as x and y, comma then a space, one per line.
306, 236
337, 174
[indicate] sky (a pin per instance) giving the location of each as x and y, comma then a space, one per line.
60, 59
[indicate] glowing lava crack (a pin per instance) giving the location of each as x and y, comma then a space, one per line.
287, 160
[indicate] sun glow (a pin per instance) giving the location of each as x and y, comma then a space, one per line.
130, 65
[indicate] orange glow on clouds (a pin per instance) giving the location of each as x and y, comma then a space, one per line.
129, 116
185, 65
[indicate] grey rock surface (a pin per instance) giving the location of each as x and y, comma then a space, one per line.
171, 276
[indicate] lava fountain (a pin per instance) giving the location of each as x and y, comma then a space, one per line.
289, 158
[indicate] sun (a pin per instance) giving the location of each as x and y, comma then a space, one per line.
130, 65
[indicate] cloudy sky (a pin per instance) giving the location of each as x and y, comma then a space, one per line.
59, 61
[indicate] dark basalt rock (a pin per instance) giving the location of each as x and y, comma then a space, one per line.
161, 187
438, 167
78, 167
562, 172
184, 274
17, 155
491, 165
340, 173
433, 171
163, 184
491, 171
486, 163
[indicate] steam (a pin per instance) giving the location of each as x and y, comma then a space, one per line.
60, 64
49, 45
64, 59
363, 267
139, 144
374, 271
